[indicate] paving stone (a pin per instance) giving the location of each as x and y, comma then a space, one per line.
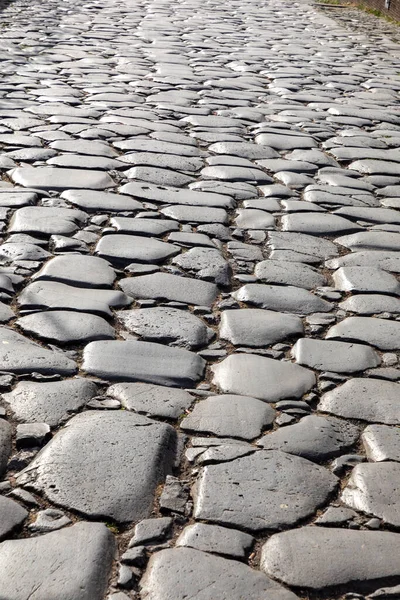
176, 196
121, 486
244, 149
289, 273
64, 327
53, 178
35, 402
315, 438
77, 161
310, 569
12, 516
317, 224
306, 248
5, 444
339, 357
365, 279
381, 333
369, 304
216, 539
372, 489
382, 259
154, 400
257, 327
370, 240
266, 490
48, 520
158, 176
118, 248
229, 416
371, 400
177, 572
163, 286
21, 355
100, 201
145, 361
195, 214
282, 298
156, 227
166, 325
381, 443
77, 269
75, 562
264, 378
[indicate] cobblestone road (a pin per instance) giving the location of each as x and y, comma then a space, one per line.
199, 204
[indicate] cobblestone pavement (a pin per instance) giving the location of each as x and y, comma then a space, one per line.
199, 205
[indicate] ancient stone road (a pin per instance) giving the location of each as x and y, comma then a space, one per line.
199, 205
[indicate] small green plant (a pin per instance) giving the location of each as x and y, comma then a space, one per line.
112, 527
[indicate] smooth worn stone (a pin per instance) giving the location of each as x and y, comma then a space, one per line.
373, 215
6, 313
285, 142
282, 298
370, 240
244, 149
229, 416
119, 248
372, 489
381, 443
158, 147
12, 516
317, 224
177, 196
381, 333
215, 539
266, 490
190, 239
264, 378
64, 327
365, 279
21, 355
122, 484
382, 259
339, 357
5, 444
370, 304
207, 263
46, 220
175, 495
336, 516
158, 176
142, 361
177, 573
155, 400
53, 178
314, 438
195, 214
347, 566
257, 328
53, 295
92, 148
48, 520
251, 218
151, 530
165, 161
156, 227
163, 286
166, 325
94, 201
77, 269
74, 562
289, 273
371, 400
31, 434
77, 161
35, 402
307, 248
11, 252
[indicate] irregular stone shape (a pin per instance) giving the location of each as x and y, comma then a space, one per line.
52, 178
216, 539
382, 259
155, 400
381, 443
54, 295
150, 530
172, 195
282, 298
365, 279
99, 201
207, 263
374, 215
372, 400
156, 227
280, 141
314, 438
370, 304
46, 220
12, 515
77, 269
310, 568
20, 355
163, 286
266, 490
10, 252
120, 248
195, 214
264, 378
121, 485
306, 248
77, 161
373, 488
92, 148
382, 333
339, 357
6, 313
166, 325
318, 224
252, 218
50, 402
370, 240
73, 563
229, 416
66, 326
158, 176
244, 149
143, 361
257, 328
5, 444
289, 273
178, 573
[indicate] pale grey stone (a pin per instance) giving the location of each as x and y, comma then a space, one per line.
5, 444
370, 304
12, 516
46, 220
282, 298
339, 357
289, 273
119, 248
155, 400
215, 539
257, 327
94, 201
381, 333
53, 178
317, 224
381, 443
62, 326
365, 279
77, 269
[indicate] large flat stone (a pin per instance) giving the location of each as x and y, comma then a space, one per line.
154, 400
74, 470
266, 490
12, 516
282, 298
5, 444
310, 568
78, 269
340, 357
289, 273
257, 328
45, 220
73, 563
381, 443
94, 201
64, 327
52, 178
381, 333
143, 361
119, 248
264, 378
